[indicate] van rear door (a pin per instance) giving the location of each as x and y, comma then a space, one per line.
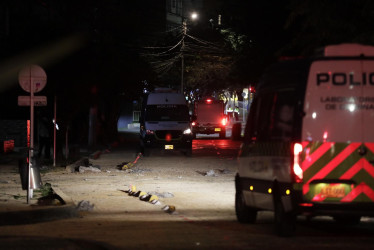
337, 131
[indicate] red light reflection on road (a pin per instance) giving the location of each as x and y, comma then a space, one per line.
221, 144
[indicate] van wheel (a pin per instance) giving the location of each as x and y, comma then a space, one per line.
348, 220
188, 152
222, 134
193, 135
244, 214
284, 221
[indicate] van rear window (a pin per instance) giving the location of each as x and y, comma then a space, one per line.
167, 113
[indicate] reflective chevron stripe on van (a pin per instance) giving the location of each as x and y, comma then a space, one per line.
338, 172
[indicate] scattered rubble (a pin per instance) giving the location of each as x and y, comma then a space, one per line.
163, 195
169, 209
82, 166
212, 173
85, 206
83, 169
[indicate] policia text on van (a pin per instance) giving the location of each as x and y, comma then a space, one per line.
301, 158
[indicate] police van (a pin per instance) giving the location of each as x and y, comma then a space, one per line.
209, 117
309, 140
165, 123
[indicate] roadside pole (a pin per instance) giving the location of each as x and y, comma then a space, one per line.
31, 150
54, 131
32, 79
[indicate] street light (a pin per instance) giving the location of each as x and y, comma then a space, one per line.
193, 16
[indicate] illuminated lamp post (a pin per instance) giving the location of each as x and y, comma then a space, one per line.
194, 16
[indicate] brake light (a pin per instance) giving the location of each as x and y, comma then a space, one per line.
208, 101
296, 168
168, 137
224, 121
193, 123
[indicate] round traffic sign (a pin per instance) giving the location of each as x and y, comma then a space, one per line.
34, 75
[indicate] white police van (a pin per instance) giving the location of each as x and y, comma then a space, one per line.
165, 123
309, 140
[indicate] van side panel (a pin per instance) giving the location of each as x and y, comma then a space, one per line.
337, 133
332, 98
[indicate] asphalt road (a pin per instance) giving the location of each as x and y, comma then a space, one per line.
202, 191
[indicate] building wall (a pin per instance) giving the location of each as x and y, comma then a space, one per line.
13, 130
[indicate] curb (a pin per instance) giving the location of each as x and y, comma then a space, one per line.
37, 214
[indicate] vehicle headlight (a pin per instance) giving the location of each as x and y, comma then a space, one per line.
187, 131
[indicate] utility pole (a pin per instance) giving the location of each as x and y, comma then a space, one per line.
184, 27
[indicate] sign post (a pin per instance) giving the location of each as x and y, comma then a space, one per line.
32, 79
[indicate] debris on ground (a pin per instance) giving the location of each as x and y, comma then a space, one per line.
169, 209
137, 170
163, 195
83, 169
128, 165
95, 155
75, 166
224, 171
144, 196
49, 197
85, 206
210, 173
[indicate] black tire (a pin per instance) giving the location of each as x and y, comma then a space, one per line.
222, 134
348, 219
244, 214
284, 222
188, 152
236, 131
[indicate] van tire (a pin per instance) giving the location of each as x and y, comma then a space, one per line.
284, 222
244, 214
236, 131
188, 152
222, 134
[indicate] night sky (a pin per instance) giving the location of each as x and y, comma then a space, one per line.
91, 49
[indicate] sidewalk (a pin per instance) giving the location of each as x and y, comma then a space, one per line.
14, 208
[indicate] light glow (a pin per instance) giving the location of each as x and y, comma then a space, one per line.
297, 171
224, 121
168, 137
187, 131
325, 135
314, 115
351, 107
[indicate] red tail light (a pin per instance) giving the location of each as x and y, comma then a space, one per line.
193, 123
168, 137
209, 101
296, 168
224, 121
